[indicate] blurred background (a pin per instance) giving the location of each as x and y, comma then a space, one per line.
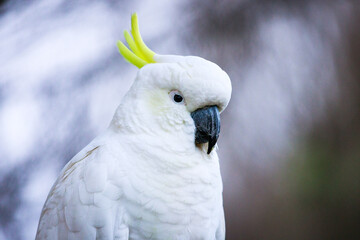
290, 142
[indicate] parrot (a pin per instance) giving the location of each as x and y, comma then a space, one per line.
154, 172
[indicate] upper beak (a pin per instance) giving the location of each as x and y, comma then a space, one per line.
207, 124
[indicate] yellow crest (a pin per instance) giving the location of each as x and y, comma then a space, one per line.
140, 54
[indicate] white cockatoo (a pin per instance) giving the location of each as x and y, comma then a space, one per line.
153, 174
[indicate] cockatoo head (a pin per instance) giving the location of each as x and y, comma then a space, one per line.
173, 96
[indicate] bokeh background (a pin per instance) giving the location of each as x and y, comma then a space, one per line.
290, 142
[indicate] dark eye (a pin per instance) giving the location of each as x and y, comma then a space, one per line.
176, 96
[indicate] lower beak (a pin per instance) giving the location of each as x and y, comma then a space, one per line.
207, 124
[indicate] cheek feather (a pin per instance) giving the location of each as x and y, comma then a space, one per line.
167, 114
157, 102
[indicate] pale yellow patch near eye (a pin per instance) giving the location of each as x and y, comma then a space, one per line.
169, 115
158, 101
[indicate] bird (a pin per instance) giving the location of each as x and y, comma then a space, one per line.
154, 173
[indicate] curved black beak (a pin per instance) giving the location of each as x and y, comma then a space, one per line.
207, 124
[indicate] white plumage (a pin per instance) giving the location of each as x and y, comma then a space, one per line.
145, 178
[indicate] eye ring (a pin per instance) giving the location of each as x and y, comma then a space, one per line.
177, 97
